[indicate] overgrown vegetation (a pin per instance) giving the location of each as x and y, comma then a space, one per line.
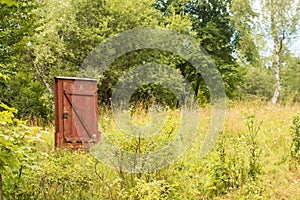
43, 39
258, 153
295, 148
18, 148
248, 162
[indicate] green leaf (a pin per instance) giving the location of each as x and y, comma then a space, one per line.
9, 3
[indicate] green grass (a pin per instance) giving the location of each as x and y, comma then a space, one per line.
224, 173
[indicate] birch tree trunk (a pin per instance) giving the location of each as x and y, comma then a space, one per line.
280, 22
39, 71
276, 65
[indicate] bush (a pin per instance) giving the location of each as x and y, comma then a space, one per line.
17, 149
295, 147
27, 95
259, 83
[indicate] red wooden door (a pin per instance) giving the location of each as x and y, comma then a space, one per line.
76, 112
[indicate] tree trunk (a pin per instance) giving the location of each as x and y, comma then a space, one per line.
278, 44
39, 71
277, 77
1, 189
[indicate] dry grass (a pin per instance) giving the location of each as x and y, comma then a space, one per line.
190, 177
280, 176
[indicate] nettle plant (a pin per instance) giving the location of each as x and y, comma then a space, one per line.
17, 144
295, 148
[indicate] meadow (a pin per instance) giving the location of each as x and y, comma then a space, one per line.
257, 156
162, 51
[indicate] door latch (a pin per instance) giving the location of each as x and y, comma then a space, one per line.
65, 115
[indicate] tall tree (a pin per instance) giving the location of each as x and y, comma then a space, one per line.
217, 35
291, 77
243, 18
280, 23
16, 25
70, 31
20, 88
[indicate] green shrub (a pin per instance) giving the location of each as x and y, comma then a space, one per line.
237, 162
259, 83
17, 150
253, 128
228, 172
295, 147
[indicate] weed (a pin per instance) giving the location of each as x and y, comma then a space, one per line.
228, 171
253, 128
244, 165
295, 147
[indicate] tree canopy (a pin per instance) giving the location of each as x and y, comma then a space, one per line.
43, 39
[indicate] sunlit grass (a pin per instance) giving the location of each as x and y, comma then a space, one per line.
274, 139
78, 175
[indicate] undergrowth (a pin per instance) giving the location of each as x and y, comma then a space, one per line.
248, 162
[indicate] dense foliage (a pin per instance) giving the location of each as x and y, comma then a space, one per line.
257, 144
258, 153
18, 146
21, 88
40, 40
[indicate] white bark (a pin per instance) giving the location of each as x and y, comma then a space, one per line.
39, 71
277, 78
276, 65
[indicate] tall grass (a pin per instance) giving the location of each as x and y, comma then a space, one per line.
252, 160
